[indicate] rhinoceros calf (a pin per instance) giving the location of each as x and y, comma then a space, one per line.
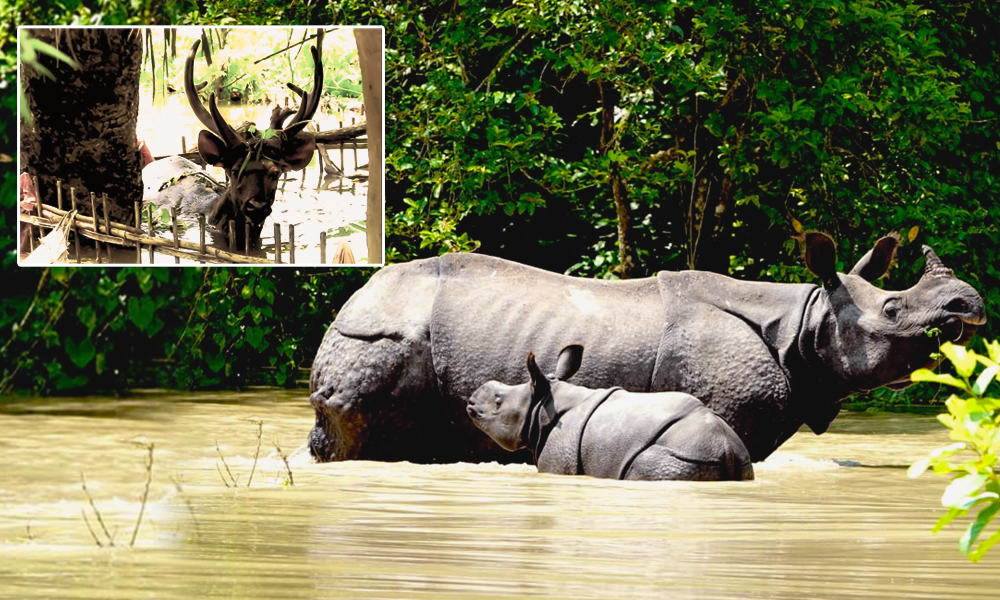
391, 379
611, 433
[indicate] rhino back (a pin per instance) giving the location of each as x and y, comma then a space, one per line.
625, 425
489, 313
395, 303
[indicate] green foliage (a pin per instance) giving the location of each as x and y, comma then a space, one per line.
256, 63
727, 124
114, 329
973, 421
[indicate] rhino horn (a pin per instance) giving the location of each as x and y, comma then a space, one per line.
934, 267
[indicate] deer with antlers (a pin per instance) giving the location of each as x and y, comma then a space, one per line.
253, 160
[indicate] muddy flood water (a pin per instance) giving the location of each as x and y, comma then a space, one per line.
830, 516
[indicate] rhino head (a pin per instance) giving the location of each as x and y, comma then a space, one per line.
867, 337
504, 412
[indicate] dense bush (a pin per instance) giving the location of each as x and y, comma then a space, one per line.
113, 329
973, 422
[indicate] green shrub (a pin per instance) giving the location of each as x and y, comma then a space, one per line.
973, 420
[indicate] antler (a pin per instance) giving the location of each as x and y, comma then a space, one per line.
211, 118
310, 100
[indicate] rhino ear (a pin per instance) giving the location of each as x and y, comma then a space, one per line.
534, 372
569, 361
821, 257
875, 263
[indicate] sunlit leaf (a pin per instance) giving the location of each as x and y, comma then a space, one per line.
983, 381
945, 378
961, 492
963, 359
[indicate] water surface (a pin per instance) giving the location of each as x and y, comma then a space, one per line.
808, 527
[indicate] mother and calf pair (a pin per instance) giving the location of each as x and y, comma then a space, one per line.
714, 373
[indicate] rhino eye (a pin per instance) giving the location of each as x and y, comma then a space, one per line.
891, 308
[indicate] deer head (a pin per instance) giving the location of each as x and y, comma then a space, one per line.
254, 161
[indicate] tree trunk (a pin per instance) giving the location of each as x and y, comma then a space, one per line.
83, 122
626, 256
369, 42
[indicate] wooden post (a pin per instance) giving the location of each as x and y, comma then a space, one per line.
59, 194
93, 213
340, 125
277, 244
291, 243
38, 206
232, 234
322, 247
354, 145
201, 232
173, 227
138, 225
183, 145
152, 248
246, 237
107, 222
76, 232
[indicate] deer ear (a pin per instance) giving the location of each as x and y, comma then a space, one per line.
211, 148
298, 151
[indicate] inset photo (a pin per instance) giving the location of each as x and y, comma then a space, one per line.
201, 145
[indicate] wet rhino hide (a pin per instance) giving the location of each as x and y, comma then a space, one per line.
610, 433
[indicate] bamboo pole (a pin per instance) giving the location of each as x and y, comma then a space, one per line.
107, 221
93, 212
322, 247
277, 244
59, 193
232, 234
138, 226
355, 147
76, 230
152, 248
173, 228
246, 237
201, 233
291, 244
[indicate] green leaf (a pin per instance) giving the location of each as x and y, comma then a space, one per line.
961, 492
141, 311
928, 375
983, 547
81, 352
976, 527
917, 468
961, 358
947, 518
984, 380
88, 317
215, 362
255, 337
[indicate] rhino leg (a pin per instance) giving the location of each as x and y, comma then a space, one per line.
374, 399
699, 447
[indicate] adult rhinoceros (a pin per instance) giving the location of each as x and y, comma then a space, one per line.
391, 377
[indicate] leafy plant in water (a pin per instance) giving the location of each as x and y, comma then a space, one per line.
973, 420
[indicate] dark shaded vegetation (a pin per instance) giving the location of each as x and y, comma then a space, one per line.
606, 140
